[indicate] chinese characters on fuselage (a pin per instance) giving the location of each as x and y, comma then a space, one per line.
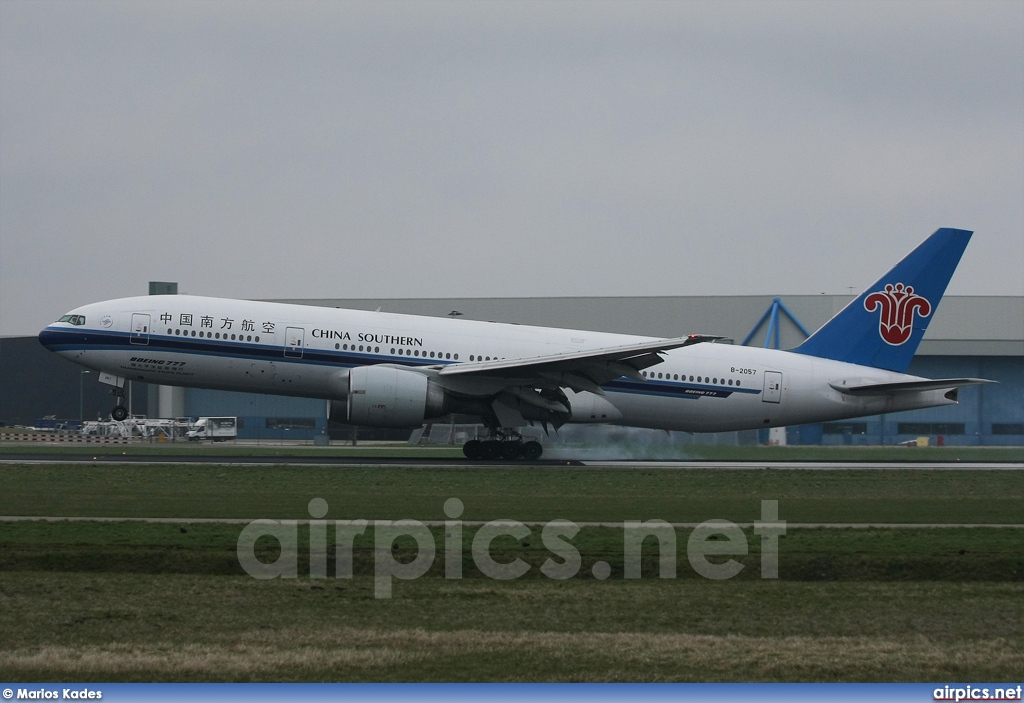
247, 325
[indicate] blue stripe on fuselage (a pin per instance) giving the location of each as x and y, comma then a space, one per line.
688, 391
95, 340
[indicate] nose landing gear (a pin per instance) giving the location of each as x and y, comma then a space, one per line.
120, 412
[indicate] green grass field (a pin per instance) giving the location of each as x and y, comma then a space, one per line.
952, 555
128, 627
512, 492
129, 601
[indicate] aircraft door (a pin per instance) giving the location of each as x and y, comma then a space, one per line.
293, 342
772, 387
140, 328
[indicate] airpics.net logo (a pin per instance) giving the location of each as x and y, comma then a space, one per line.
711, 538
977, 693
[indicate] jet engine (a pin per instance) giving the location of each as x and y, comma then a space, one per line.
386, 396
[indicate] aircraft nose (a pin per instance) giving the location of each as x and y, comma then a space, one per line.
49, 338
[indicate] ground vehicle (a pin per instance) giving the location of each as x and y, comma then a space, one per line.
218, 429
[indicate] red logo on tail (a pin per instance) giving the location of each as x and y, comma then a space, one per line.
897, 304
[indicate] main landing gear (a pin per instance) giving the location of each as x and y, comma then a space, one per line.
503, 445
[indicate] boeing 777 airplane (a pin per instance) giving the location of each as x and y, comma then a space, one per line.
387, 370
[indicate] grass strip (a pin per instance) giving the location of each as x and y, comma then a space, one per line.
133, 627
524, 493
958, 554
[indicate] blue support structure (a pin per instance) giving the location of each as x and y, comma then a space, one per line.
772, 315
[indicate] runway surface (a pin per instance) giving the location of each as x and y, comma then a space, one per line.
813, 465
278, 460
298, 459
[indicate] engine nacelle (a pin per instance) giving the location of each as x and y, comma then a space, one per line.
385, 396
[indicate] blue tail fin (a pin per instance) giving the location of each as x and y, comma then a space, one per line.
884, 325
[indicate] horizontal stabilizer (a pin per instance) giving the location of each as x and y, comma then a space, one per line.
908, 386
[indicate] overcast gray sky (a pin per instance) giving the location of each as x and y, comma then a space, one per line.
408, 149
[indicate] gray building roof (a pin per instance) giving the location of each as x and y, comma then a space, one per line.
962, 325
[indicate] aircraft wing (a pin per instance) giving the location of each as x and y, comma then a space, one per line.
908, 386
580, 371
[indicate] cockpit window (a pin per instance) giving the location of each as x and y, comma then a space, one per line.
73, 319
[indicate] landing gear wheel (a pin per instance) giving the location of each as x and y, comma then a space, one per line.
119, 413
532, 451
490, 449
511, 451
472, 449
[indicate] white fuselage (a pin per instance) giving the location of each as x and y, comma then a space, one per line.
299, 350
